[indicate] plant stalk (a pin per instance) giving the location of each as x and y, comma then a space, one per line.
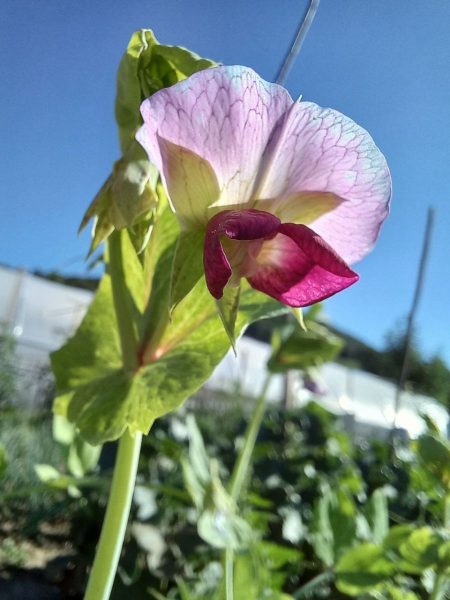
114, 525
440, 588
239, 476
241, 468
229, 575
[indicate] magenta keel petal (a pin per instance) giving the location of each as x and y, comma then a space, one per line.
298, 268
238, 227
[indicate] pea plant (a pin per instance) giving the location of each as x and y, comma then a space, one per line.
231, 202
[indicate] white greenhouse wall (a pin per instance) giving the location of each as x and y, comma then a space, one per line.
41, 315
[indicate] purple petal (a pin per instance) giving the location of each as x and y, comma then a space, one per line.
225, 115
320, 150
298, 268
239, 226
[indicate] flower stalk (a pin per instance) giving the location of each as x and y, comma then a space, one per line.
121, 493
114, 525
240, 473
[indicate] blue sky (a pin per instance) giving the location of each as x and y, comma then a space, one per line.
385, 64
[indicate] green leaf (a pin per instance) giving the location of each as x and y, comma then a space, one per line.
223, 529
127, 198
219, 524
198, 457
307, 591
303, 349
276, 556
334, 526
145, 68
435, 454
129, 193
3, 460
92, 353
228, 307
187, 267
132, 190
83, 457
420, 551
362, 569
395, 538
396, 593
378, 517
95, 392
53, 478
63, 430
298, 316
196, 469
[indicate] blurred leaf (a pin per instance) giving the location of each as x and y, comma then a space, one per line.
53, 478
420, 550
223, 529
196, 469
435, 454
3, 460
395, 593
309, 590
63, 430
377, 515
276, 556
334, 526
219, 523
362, 569
304, 349
396, 536
184, 591
83, 457
151, 541
198, 457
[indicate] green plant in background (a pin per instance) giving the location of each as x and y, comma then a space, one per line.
8, 370
81, 459
303, 348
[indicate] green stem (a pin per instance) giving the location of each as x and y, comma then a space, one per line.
114, 525
229, 579
243, 462
442, 581
239, 476
441, 587
447, 511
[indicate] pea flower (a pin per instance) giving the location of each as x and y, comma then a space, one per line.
287, 193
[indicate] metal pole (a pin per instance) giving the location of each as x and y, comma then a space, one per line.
296, 45
412, 314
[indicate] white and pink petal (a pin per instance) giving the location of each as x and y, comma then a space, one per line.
225, 116
316, 150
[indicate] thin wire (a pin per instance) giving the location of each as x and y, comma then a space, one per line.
293, 51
